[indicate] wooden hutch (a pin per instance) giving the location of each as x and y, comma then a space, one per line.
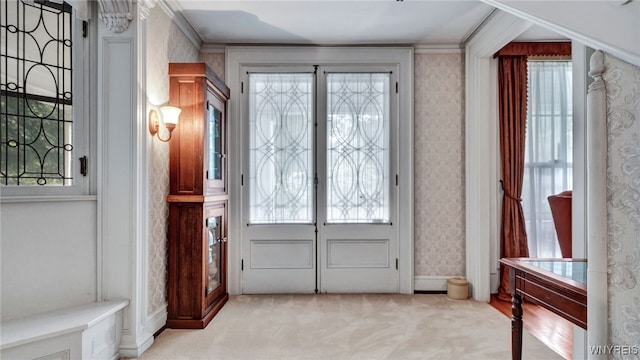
198, 197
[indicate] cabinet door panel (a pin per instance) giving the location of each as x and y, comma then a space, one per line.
186, 144
216, 250
216, 154
185, 247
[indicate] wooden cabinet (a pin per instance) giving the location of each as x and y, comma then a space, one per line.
198, 198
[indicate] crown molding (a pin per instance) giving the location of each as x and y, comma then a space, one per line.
418, 48
173, 10
438, 49
213, 48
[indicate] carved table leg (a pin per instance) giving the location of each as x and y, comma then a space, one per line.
516, 327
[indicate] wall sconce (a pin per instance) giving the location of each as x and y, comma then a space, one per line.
170, 116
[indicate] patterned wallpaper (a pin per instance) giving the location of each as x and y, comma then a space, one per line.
165, 43
215, 62
439, 165
623, 202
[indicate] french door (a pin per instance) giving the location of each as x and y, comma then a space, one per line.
319, 180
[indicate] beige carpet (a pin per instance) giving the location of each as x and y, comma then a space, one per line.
348, 327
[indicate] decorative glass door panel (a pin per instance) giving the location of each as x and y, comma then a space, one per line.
215, 145
318, 203
215, 238
281, 148
357, 148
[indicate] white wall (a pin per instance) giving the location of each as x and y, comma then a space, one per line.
48, 255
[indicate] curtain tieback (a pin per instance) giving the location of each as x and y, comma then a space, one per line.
512, 197
508, 194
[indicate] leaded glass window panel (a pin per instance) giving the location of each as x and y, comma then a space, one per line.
358, 148
36, 94
281, 148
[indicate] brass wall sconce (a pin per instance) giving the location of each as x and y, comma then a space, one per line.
170, 117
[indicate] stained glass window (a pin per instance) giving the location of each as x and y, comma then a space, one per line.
36, 93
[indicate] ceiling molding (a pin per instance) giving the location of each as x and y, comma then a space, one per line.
172, 9
586, 39
213, 48
418, 48
437, 49
496, 32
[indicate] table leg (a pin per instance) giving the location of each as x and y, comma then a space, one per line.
516, 327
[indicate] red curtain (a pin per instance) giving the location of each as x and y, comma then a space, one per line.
512, 85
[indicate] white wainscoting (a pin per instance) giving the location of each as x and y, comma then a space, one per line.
91, 331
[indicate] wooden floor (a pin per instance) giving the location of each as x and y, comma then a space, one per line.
551, 329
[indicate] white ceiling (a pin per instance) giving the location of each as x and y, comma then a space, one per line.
332, 22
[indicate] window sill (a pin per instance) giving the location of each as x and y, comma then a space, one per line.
56, 198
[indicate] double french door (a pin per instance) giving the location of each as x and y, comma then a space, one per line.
319, 192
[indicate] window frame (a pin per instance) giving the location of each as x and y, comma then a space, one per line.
80, 184
533, 169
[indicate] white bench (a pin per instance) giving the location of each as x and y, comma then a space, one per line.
91, 331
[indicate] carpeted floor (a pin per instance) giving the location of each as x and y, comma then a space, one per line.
389, 326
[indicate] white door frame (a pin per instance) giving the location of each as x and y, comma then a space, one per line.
481, 151
481, 160
239, 56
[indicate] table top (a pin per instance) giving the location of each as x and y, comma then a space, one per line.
574, 270
571, 272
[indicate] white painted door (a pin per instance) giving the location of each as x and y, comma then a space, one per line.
319, 181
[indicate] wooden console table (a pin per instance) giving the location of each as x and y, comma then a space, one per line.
559, 285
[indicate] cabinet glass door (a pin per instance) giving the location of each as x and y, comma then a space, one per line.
214, 226
215, 145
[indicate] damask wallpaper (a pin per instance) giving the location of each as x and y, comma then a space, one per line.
623, 203
165, 43
439, 165
215, 62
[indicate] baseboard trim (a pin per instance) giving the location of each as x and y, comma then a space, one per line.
494, 280
429, 292
157, 320
431, 284
128, 351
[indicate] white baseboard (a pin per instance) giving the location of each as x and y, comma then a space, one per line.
157, 320
134, 350
495, 282
430, 283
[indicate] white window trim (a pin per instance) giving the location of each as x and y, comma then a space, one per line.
238, 57
81, 132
